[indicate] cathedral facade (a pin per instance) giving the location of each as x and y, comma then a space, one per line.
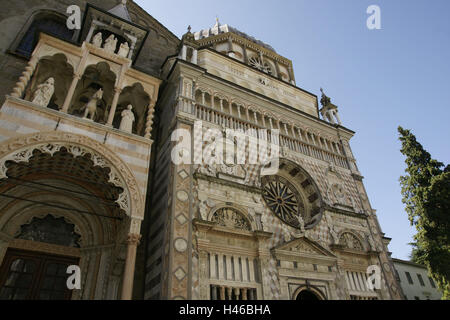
113, 141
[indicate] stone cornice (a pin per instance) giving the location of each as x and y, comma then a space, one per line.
248, 43
227, 183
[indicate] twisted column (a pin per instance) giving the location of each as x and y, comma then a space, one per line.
25, 78
149, 123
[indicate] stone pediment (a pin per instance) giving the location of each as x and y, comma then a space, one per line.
303, 246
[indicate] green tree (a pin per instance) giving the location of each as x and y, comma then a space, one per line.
416, 255
426, 194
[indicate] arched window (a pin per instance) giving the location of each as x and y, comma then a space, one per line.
52, 24
50, 230
350, 241
231, 218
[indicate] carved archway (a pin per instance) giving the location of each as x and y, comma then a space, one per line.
308, 293
21, 150
229, 216
351, 240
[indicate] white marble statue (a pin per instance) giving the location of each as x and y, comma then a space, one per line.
98, 40
124, 50
91, 107
127, 120
111, 44
44, 93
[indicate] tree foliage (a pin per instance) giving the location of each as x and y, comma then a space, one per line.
426, 194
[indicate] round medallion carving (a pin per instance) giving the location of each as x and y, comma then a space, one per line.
181, 245
182, 196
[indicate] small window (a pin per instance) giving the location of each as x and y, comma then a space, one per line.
432, 282
397, 276
408, 276
421, 280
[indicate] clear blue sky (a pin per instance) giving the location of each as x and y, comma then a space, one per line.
380, 79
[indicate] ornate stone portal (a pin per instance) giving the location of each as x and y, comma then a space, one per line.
74, 165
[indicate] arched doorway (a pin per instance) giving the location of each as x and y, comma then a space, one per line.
64, 200
307, 295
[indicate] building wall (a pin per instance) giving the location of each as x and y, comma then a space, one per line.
191, 245
415, 290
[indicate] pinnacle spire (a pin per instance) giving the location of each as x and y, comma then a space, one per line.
121, 10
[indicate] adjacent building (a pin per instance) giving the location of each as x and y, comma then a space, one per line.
415, 282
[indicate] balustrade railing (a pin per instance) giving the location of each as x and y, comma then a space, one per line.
206, 113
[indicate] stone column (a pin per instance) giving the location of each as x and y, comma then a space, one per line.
195, 57
130, 263
222, 293
112, 111
69, 96
184, 52
237, 293
150, 116
229, 293
132, 47
277, 68
90, 33
244, 294
286, 129
245, 53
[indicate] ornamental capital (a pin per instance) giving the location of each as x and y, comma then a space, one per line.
134, 239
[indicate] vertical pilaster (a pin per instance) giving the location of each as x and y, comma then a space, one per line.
130, 264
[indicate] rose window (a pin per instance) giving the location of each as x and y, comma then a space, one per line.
284, 201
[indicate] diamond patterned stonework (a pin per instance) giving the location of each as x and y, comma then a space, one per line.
180, 274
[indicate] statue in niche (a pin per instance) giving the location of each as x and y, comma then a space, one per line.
111, 44
124, 49
98, 40
91, 106
127, 119
44, 93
